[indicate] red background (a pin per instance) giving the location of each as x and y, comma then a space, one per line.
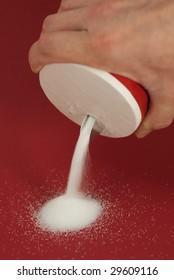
134, 177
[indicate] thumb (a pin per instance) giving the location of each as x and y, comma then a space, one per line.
160, 114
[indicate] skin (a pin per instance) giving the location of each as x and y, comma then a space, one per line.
132, 38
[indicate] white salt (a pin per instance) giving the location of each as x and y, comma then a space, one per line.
67, 213
72, 211
78, 160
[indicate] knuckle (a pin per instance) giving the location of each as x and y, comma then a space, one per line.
46, 43
48, 23
65, 5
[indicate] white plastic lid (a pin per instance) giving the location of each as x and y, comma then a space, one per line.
77, 90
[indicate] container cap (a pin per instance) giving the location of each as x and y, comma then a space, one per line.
78, 90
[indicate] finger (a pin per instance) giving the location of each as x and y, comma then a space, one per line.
160, 115
59, 47
67, 21
75, 4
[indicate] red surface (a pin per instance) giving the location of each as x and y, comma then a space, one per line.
134, 177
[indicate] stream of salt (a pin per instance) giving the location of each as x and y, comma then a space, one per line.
79, 157
73, 210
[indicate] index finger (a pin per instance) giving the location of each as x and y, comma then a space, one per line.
59, 47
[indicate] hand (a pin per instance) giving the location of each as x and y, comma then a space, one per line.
132, 38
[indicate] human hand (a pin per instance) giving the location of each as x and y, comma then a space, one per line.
132, 38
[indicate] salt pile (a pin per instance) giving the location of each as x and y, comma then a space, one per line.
67, 213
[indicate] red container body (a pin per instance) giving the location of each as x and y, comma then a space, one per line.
137, 91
